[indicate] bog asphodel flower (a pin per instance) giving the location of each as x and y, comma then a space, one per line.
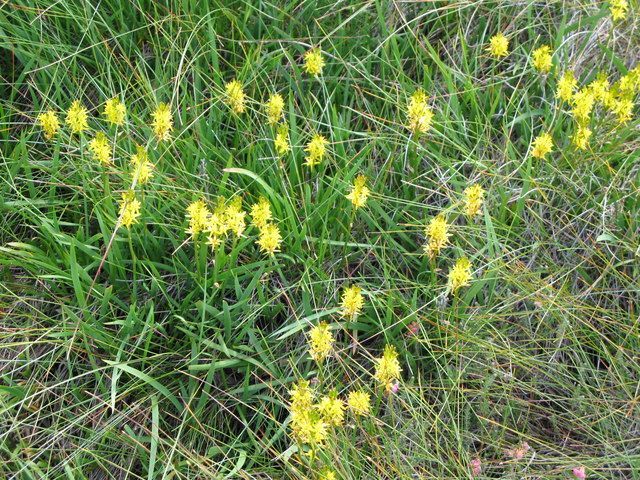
600, 88
619, 9
234, 96
316, 150
313, 62
541, 59
217, 227
275, 107
583, 102
198, 216
162, 122
352, 301
100, 148
388, 368
623, 108
235, 216
498, 46
281, 142
331, 409
320, 342
473, 198
359, 402
542, 145
49, 123
77, 117
129, 209
359, 192
419, 114
581, 137
270, 239
115, 111
566, 86
260, 213
327, 474
437, 235
142, 167
307, 425
460, 274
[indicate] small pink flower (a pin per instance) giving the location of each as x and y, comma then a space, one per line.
413, 328
395, 387
579, 473
476, 467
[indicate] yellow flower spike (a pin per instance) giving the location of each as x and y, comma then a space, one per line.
331, 410
359, 192
235, 216
260, 213
320, 342
77, 117
235, 97
313, 62
352, 301
623, 108
162, 122
142, 167
388, 368
581, 137
316, 150
115, 111
281, 142
473, 198
198, 216
498, 46
129, 209
600, 88
566, 86
437, 235
542, 145
270, 239
216, 228
327, 474
541, 59
619, 9
460, 275
275, 107
583, 102
49, 123
100, 148
419, 114
359, 402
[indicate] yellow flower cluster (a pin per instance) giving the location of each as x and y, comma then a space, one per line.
313, 62
142, 167
260, 213
320, 342
77, 117
235, 97
437, 234
359, 192
419, 114
281, 142
498, 45
359, 402
619, 9
460, 274
541, 59
352, 301
269, 239
217, 223
473, 198
49, 123
331, 409
388, 368
162, 122
566, 86
115, 111
542, 145
129, 209
100, 148
316, 150
275, 107
198, 216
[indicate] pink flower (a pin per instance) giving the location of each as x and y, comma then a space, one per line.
395, 387
476, 467
579, 473
413, 328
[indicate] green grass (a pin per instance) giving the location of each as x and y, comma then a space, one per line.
158, 359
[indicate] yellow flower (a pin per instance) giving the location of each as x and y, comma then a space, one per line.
498, 46
619, 9
162, 122
460, 274
331, 410
142, 167
438, 235
313, 62
473, 198
359, 192
541, 59
49, 123
320, 342
281, 141
581, 137
420, 116
235, 216
327, 474
301, 396
600, 88
583, 101
217, 228
77, 117
359, 402
306, 424
566, 85
316, 150
235, 96
100, 148
115, 111
275, 107
388, 368
352, 301
270, 239
260, 213
198, 216
542, 145
623, 108
129, 208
